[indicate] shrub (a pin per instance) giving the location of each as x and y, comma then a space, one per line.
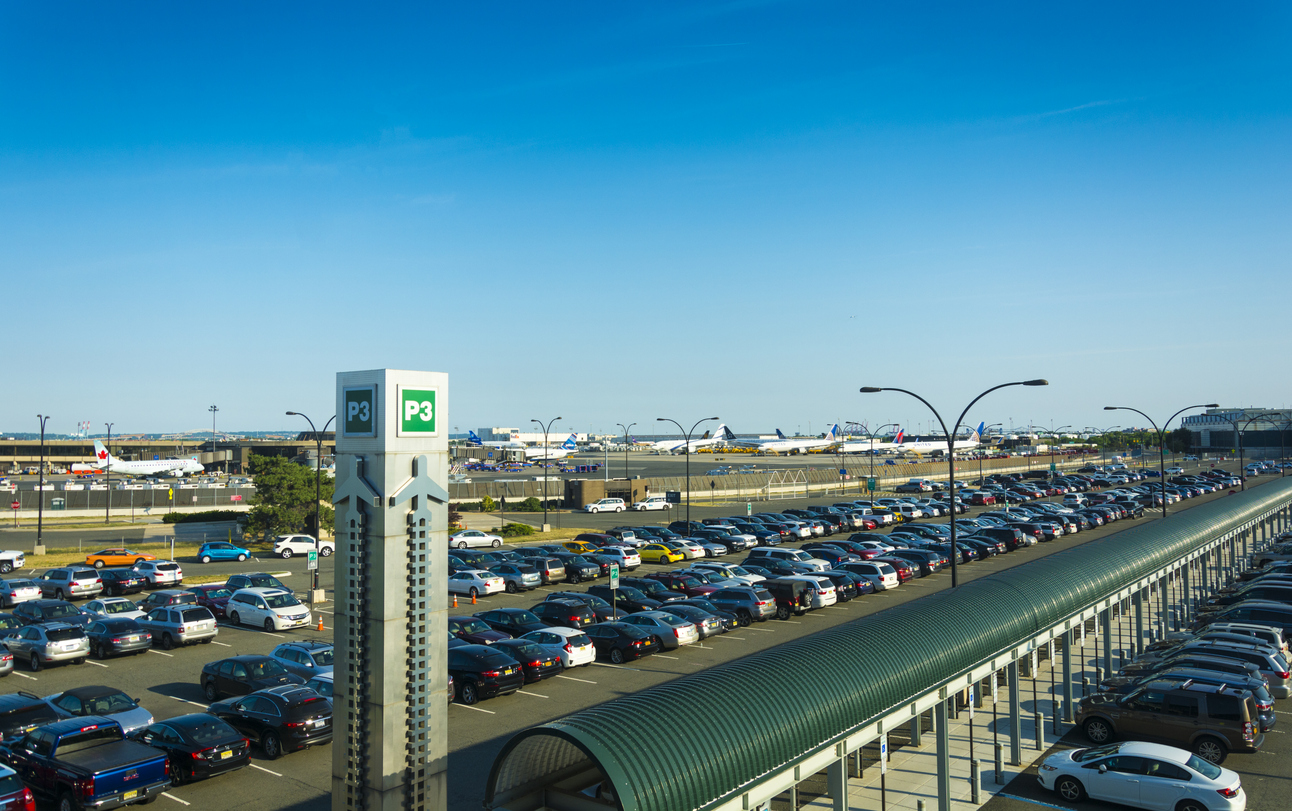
488, 505
529, 505
203, 517
516, 530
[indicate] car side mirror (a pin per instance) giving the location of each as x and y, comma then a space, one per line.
1103, 767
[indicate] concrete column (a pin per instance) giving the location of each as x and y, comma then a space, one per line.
941, 729
1139, 622
917, 730
1107, 621
837, 776
1015, 716
1067, 677
1186, 591
1163, 603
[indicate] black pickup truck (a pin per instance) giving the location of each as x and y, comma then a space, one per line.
86, 763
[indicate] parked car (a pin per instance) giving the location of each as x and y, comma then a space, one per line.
601, 610
535, 661
573, 645
114, 608
120, 582
605, 505
285, 546
621, 642
476, 583
305, 659
671, 630
20, 713
512, 621
13, 794
52, 643
117, 636
240, 675
479, 672
475, 631
255, 580
517, 577
14, 590
474, 537
197, 746
178, 625
1142, 775
70, 583
36, 612
165, 598
118, 771
109, 702
279, 719
212, 596
116, 556
221, 550
160, 572
271, 609
564, 613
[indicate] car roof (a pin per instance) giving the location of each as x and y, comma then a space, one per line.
263, 591
13, 701
92, 691
563, 631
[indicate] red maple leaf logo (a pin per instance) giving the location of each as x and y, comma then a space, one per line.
102, 455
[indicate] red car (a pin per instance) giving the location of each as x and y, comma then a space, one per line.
982, 499
14, 796
904, 568
214, 596
685, 583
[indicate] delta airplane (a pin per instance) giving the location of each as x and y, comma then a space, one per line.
545, 454
783, 444
865, 446
939, 445
720, 434
155, 467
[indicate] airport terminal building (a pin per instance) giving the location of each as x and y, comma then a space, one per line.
1266, 432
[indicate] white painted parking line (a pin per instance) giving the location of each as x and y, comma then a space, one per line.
176, 799
96, 664
263, 769
25, 676
792, 622
186, 701
321, 611
159, 653
571, 678
662, 656
535, 695
764, 630
724, 636
469, 707
221, 644
616, 667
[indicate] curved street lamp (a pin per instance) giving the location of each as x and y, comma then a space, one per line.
1161, 457
872, 435
546, 463
626, 428
686, 448
40, 493
107, 468
318, 483
951, 445
1238, 435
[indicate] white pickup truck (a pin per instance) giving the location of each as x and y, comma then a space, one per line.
12, 560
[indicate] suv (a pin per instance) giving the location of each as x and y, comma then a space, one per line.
1209, 719
748, 603
70, 582
21, 712
287, 545
791, 596
606, 505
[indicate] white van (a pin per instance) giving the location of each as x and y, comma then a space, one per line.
820, 589
652, 503
605, 505
908, 511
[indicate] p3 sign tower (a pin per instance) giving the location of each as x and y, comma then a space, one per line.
390, 746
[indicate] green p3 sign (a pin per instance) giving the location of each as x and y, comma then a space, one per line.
417, 411
359, 411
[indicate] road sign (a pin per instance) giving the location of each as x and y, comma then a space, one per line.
870, 484
14, 505
972, 692
235, 498
170, 493
749, 507
312, 559
614, 575
359, 404
883, 752
416, 412
1053, 467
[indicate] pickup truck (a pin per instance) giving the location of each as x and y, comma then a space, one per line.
87, 763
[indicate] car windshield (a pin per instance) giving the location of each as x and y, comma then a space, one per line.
266, 669
322, 657
117, 608
799, 554
66, 610
281, 600
9, 622
217, 594
109, 704
527, 617
472, 627
526, 648
737, 571
1208, 770
266, 581
631, 593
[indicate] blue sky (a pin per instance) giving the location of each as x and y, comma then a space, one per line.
613, 212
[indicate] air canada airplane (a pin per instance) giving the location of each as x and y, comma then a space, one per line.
154, 467
720, 434
783, 444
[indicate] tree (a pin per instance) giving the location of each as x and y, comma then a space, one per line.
284, 500
1180, 440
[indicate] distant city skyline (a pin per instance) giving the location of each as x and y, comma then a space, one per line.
614, 213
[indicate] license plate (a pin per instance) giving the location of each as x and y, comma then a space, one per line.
225, 755
130, 795
508, 671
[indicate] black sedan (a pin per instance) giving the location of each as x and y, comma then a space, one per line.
475, 631
118, 636
626, 598
479, 671
514, 621
280, 719
594, 598
565, 613
537, 663
929, 562
620, 642
119, 582
198, 746
239, 675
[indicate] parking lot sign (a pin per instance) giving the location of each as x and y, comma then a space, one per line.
1053, 467
359, 405
883, 753
614, 575
417, 412
870, 484
312, 559
749, 508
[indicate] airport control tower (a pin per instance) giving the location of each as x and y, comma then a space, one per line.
391, 742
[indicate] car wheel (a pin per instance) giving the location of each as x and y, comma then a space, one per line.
66, 803
616, 656
79, 661
467, 693
744, 619
209, 691
97, 651
1210, 749
98, 564
166, 642
241, 558
58, 594
34, 663
286, 553
270, 746
6, 567
1190, 805
269, 625
175, 772
511, 587
206, 558
496, 543
619, 509
782, 612
233, 617
138, 561
1098, 731
324, 551
475, 592
462, 544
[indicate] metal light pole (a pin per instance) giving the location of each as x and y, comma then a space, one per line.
1238, 434
686, 448
871, 434
546, 463
213, 410
1161, 459
626, 428
39, 549
951, 447
107, 466
1054, 434
318, 485
981, 482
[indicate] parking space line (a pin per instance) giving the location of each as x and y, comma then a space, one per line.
469, 707
176, 799
159, 653
571, 678
263, 769
535, 695
96, 664
724, 636
793, 622
221, 644
25, 676
662, 656
617, 667
186, 701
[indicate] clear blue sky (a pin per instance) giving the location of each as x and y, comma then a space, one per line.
612, 212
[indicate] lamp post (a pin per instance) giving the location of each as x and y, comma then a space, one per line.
107, 466
951, 446
626, 428
981, 481
1238, 435
318, 485
546, 462
1161, 459
213, 410
1054, 434
39, 548
686, 449
871, 435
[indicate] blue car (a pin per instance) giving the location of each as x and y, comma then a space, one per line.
221, 550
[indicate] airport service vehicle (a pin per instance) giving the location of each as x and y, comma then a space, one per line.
70, 582
479, 671
108, 702
273, 609
14, 591
118, 556
305, 659
222, 550
615, 505
197, 746
179, 625
652, 503
160, 572
1143, 775
40, 645
120, 635
280, 719
86, 763
114, 607
240, 675
474, 537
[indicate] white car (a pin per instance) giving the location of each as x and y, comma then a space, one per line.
571, 644
114, 608
652, 503
474, 537
730, 571
880, 575
690, 549
11, 560
605, 505
272, 609
1175, 471
1142, 775
160, 572
14, 591
627, 558
287, 545
476, 582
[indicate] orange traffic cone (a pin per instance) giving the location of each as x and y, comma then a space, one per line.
473, 599
455, 601
320, 622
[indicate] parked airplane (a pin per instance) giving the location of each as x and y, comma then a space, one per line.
153, 467
783, 444
474, 439
940, 445
720, 434
865, 445
544, 453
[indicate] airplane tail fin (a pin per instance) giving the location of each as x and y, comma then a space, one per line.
897, 440
569, 443
833, 433
727, 435
976, 434
101, 455
472, 439
779, 435
721, 431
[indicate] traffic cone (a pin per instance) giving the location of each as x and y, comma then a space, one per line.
455, 601
320, 622
473, 599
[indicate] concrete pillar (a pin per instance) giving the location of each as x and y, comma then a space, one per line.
1138, 647
942, 729
1163, 605
837, 777
1015, 716
917, 730
1067, 677
1186, 591
1107, 621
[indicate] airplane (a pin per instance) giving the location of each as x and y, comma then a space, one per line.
155, 467
720, 434
543, 453
783, 444
474, 439
940, 445
865, 445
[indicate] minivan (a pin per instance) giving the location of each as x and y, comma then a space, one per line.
605, 505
